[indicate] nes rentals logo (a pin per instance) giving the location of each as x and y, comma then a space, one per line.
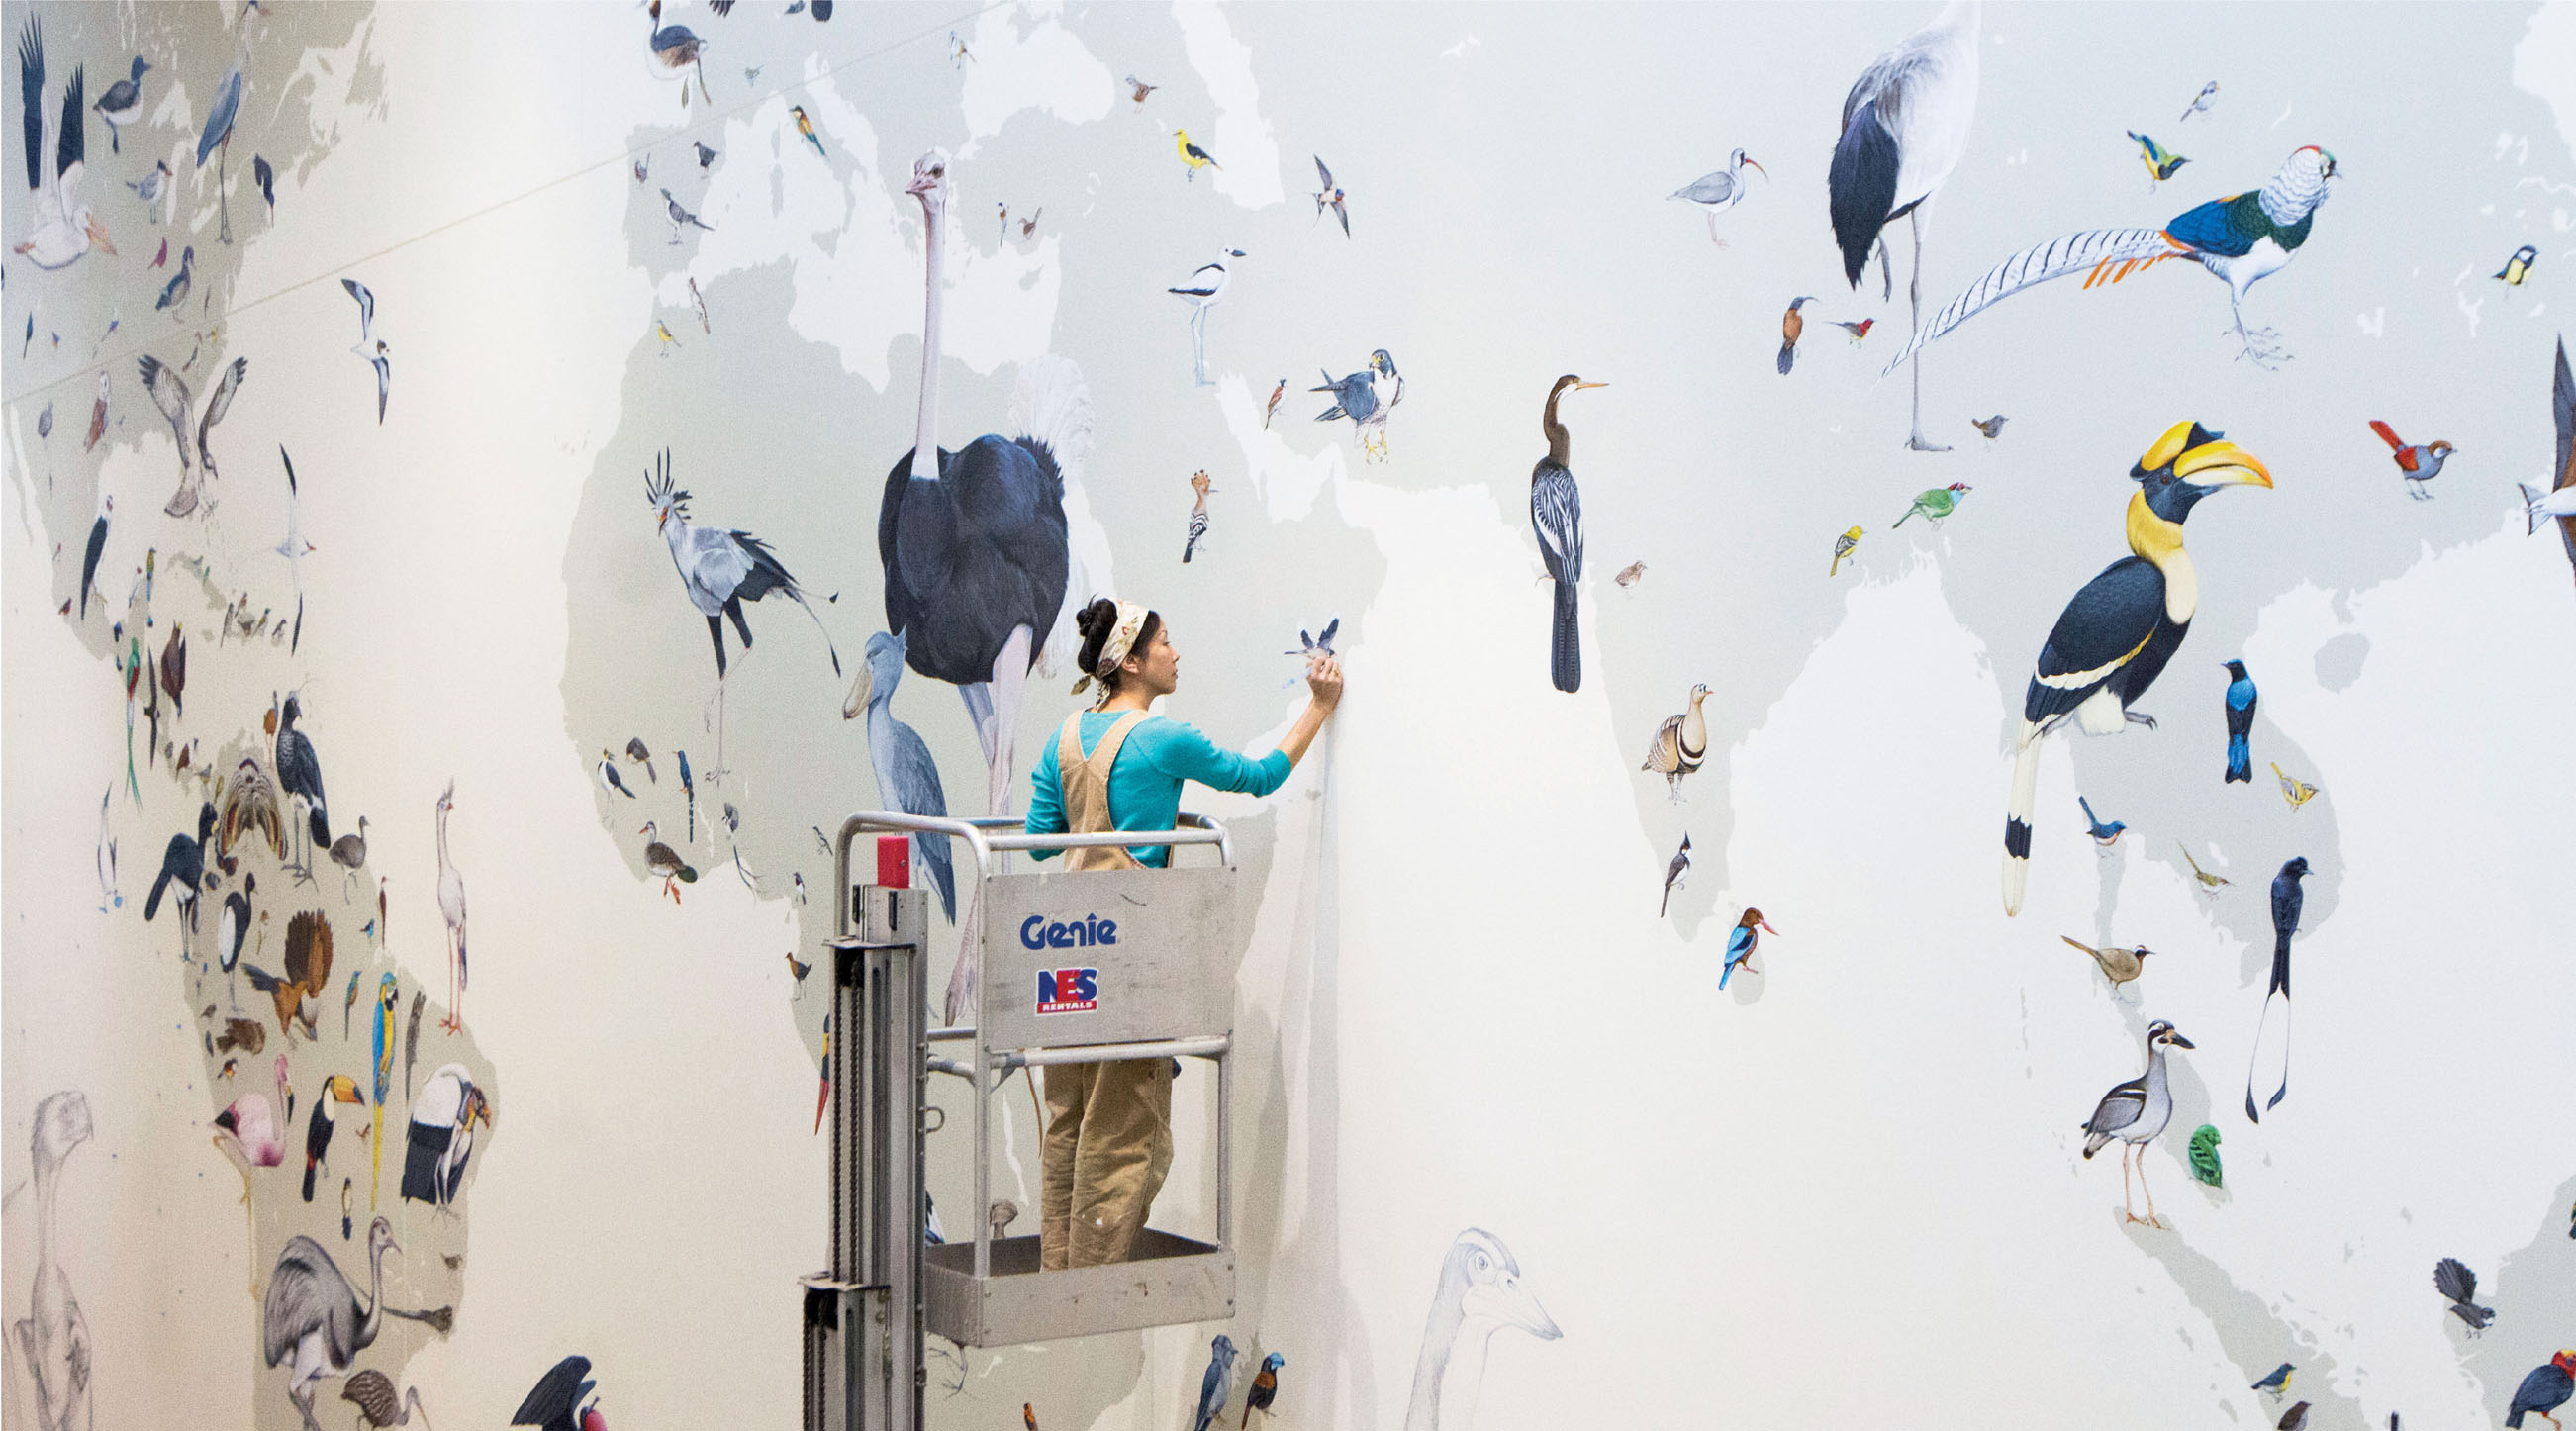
1068, 991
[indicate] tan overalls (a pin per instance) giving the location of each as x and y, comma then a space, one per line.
1109, 1125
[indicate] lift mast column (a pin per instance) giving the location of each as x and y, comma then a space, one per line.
863, 1314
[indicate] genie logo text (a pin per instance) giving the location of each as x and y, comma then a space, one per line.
1068, 991
1037, 933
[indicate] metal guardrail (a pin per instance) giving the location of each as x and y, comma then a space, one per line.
1182, 1279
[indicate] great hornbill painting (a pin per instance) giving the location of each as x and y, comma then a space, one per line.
2115, 637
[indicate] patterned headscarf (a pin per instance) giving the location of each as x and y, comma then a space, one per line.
1131, 620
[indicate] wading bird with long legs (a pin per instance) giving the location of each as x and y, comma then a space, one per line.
1905, 124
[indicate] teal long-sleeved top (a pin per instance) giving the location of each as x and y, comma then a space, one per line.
1145, 784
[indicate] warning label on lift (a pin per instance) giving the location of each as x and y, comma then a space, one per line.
1068, 991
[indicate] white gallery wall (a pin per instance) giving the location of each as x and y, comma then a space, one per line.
1849, 1183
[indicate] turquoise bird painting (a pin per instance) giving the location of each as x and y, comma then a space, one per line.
1741, 942
385, 992
2241, 240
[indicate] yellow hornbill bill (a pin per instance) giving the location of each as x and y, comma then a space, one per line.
2116, 635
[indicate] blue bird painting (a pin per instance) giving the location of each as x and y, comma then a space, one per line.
2103, 834
1366, 398
1740, 943
907, 778
2240, 724
1217, 1386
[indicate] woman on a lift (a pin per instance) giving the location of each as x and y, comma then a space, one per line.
1118, 766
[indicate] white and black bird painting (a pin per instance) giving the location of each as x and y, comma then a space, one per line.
370, 347
1202, 290
62, 230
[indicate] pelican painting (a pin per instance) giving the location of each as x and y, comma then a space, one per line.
1480, 1294
63, 230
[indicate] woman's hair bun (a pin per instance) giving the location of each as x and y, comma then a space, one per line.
1099, 617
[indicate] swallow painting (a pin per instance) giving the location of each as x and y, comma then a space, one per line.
1330, 196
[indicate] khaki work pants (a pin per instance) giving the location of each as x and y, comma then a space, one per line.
1108, 1148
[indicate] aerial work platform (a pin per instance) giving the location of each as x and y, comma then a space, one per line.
1076, 967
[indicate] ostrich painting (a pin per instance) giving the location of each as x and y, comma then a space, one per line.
974, 542
1480, 1294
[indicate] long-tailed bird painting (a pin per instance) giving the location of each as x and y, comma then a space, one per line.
2241, 239
2268, 1081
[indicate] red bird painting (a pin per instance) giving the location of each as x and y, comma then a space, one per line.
2418, 465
